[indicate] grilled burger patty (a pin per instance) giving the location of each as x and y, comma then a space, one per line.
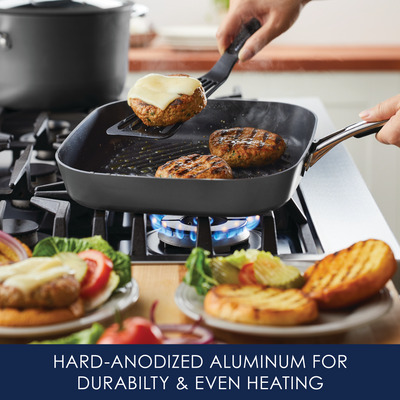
59, 293
246, 147
180, 110
195, 166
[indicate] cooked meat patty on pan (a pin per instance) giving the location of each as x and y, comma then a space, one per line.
195, 166
58, 293
246, 147
160, 101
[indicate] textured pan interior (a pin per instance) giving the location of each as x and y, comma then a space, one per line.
142, 157
89, 157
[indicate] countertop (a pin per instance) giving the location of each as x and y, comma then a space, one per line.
160, 58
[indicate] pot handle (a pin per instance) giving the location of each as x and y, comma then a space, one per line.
139, 10
358, 130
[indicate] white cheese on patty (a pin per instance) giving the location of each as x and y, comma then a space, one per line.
161, 91
28, 274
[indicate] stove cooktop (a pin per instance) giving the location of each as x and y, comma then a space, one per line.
332, 197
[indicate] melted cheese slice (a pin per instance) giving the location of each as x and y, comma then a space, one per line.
161, 91
28, 274
27, 282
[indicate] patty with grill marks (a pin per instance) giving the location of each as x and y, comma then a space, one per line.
246, 147
195, 166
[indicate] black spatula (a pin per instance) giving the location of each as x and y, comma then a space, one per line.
133, 126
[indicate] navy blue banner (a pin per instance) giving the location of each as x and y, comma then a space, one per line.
199, 371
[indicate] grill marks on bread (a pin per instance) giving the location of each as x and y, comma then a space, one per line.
346, 265
246, 147
195, 166
279, 299
340, 280
261, 305
351, 275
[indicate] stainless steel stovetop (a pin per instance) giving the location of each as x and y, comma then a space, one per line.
339, 205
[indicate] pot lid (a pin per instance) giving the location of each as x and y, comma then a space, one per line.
62, 6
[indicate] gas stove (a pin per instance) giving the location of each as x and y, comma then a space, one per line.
327, 212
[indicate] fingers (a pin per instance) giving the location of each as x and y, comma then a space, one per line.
389, 109
273, 27
275, 18
390, 133
255, 43
383, 110
227, 31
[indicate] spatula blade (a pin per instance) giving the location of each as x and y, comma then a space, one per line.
144, 131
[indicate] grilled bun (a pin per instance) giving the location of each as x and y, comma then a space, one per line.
351, 275
260, 305
29, 317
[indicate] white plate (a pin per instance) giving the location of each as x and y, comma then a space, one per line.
189, 37
122, 299
328, 322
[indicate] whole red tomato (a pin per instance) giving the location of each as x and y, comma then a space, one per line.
134, 330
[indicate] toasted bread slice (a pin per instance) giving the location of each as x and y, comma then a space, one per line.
261, 305
29, 317
351, 275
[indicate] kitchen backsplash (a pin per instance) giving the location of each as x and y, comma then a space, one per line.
338, 22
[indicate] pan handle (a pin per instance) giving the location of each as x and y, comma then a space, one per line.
358, 130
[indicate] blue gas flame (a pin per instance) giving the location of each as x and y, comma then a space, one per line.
158, 224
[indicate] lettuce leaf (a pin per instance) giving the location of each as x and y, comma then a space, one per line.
50, 246
199, 273
86, 336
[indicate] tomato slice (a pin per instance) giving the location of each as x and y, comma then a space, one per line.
135, 330
246, 275
99, 269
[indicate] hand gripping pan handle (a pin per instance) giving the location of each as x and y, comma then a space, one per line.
358, 130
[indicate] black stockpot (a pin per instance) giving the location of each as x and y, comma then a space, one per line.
61, 55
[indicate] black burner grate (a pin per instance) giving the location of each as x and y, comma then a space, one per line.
284, 231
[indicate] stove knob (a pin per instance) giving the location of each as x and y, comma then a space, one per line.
5, 41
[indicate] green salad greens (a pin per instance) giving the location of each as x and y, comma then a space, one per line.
204, 272
87, 336
199, 272
50, 246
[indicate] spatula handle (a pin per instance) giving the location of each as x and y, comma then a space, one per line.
249, 28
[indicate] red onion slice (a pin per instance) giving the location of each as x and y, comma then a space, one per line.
188, 334
14, 245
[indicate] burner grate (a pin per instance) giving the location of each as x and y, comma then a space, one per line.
284, 231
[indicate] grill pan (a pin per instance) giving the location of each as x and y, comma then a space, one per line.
117, 173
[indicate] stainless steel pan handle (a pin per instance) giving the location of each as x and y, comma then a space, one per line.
321, 147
